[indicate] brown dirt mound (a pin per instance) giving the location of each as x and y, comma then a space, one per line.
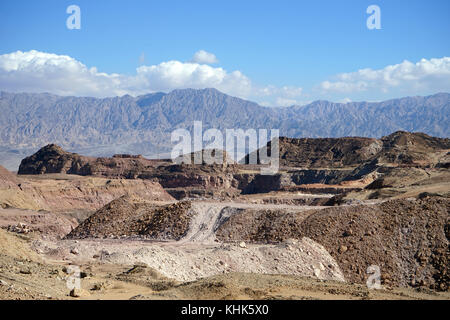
51, 159
169, 222
415, 141
407, 239
261, 226
125, 217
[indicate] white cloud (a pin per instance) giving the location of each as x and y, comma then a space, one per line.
345, 100
204, 57
171, 75
285, 102
35, 71
433, 74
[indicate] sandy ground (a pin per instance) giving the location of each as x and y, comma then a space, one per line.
25, 274
198, 254
196, 267
191, 261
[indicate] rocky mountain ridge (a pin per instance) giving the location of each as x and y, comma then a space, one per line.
102, 127
348, 162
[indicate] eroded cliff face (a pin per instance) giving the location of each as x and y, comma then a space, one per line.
61, 192
327, 161
186, 179
53, 159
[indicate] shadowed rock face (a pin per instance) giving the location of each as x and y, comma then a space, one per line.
328, 152
408, 148
53, 159
308, 161
398, 148
324, 152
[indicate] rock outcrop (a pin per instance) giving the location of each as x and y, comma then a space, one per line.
53, 159
398, 148
327, 161
406, 148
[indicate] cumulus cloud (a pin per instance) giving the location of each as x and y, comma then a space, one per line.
410, 77
175, 74
35, 71
204, 57
345, 100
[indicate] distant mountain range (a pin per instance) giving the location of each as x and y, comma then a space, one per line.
142, 125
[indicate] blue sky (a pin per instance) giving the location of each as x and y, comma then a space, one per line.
284, 51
